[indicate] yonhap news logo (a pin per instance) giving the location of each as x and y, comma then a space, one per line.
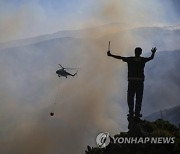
103, 140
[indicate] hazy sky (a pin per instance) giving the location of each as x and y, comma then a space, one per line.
23, 18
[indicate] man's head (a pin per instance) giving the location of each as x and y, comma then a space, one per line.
138, 51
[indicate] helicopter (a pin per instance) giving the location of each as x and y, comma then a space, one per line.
62, 71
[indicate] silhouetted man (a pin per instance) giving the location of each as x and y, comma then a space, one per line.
135, 79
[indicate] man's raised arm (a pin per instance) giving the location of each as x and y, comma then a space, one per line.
153, 50
114, 56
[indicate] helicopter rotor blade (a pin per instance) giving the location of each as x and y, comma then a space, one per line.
71, 68
61, 66
68, 67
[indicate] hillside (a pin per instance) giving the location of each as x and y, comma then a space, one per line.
143, 129
172, 115
163, 37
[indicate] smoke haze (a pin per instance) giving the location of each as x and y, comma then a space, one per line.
94, 101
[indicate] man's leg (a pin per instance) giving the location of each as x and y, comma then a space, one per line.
139, 96
130, 97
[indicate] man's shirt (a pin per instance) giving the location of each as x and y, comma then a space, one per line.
136, 67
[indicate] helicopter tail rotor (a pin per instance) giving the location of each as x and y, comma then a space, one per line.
75, 73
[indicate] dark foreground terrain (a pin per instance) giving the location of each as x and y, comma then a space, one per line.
143, 129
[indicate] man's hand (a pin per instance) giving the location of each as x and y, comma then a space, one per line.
109, 53
153, 50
